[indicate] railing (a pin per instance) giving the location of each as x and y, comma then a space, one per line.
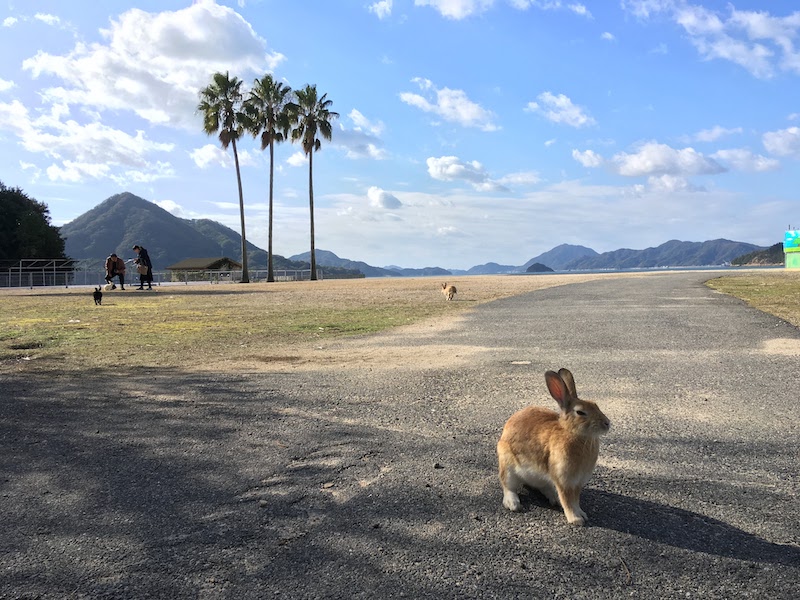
209, 276
30, 273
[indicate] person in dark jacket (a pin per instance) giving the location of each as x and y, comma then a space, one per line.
146, 270
115, 267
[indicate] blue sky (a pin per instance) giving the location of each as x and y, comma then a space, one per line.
470, 130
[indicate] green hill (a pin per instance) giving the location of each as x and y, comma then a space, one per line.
121, 221
771, 256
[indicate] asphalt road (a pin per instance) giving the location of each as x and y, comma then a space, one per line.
382, 483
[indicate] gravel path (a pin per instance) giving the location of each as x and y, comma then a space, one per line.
371, 482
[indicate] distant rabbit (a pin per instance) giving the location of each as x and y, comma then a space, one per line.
552, 452
449, 291
98, 296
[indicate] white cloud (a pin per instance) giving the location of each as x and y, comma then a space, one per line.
451, 105
588, 158
74, 172
379, 198
298, 159
520, 179
10, 21
214, 155
560, 109
754, 40
451, 168
6, 85
362, 140
659, 159
456, 9
713, 134
172, 207
154, 63
785, 142
209, 155
580, 9
608, 36
461, 9
671, 184
744, 160
48, 19
382, 9
644, 9
82, 148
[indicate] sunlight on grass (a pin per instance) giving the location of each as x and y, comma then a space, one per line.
177, 326
776, 292
225, 326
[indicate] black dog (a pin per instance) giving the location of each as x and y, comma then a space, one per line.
98, 296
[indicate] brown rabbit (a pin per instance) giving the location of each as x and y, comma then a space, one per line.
552, 452
449, 291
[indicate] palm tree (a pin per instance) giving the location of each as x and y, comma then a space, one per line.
221, 107
312, 119
268, 117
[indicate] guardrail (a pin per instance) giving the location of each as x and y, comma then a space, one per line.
28, 274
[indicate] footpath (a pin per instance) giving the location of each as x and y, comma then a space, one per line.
365, 483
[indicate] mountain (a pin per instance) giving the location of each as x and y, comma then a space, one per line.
673, 253
121, 221
559, 257
423, 272
771, 256
493, 268
329, 259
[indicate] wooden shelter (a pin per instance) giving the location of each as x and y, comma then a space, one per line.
203, 269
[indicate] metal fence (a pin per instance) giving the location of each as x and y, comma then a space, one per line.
30, 273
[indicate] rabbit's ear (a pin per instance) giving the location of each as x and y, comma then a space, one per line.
569, 380
558, 390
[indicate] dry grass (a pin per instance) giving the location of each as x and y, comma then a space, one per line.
269, 326
224, 326
774, 291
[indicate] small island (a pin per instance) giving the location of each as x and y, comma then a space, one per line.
539, 268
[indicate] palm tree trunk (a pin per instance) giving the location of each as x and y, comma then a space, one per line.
245, 273
270, 274
311, 207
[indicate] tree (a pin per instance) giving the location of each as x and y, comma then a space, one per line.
312, 118
268, 118
221, 107
25, 229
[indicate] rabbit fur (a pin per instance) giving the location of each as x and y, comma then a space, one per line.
554, 452
449, 291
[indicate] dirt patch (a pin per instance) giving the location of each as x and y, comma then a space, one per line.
781, 347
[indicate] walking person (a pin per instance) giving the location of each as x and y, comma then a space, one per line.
115, 267
144, 266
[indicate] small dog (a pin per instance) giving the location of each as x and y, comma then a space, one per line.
109, 286
98, 296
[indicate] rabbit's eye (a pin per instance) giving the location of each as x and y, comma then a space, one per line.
581, 413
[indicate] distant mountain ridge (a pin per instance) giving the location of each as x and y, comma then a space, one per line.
121, 221
673, 253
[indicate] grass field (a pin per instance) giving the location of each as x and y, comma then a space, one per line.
776, 292
222, 326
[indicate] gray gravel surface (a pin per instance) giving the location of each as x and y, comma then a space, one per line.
382, 482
